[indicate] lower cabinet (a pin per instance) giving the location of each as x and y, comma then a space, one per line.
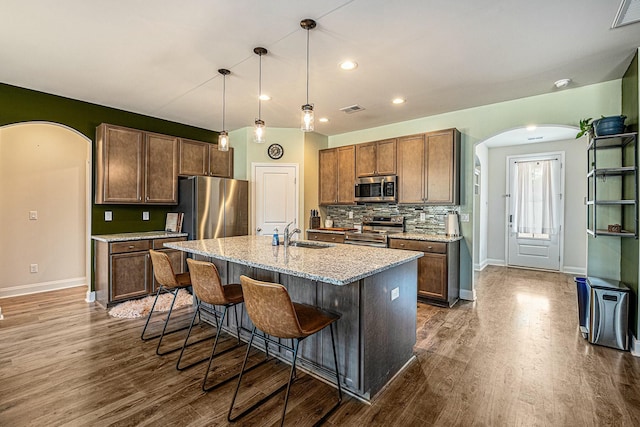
438, 269
325, 237
123, 270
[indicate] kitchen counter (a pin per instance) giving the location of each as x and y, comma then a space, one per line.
373, 289
123, 237
336, 264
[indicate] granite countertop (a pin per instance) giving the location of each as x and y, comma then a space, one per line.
336, 264
123, 237
406, 235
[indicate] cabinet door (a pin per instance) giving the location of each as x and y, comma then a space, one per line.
220, 162
194, 158
129, 275
328, 176
442, 163
161, 169
411, 176
325, 237
386, 157
119, 177
432, 276
346, 174
366, 159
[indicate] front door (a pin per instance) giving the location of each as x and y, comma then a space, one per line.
535, 211
275, 198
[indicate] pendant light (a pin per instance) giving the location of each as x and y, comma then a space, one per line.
307, 109
258, 131
223, 137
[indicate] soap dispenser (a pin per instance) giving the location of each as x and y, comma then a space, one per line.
275, 241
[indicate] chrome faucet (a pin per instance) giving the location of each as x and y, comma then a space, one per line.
287, 235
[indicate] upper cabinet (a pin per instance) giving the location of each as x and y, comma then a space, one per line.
376, 158
135, 167
429, 168
337, 175
204, 159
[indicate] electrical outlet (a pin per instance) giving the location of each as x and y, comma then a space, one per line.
464, 217
108, 216
395, 293
350, 214
423, 216
145, 216
33, 215
33, 268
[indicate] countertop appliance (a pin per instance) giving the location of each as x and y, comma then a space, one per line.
214, 207
375, 231
376, 189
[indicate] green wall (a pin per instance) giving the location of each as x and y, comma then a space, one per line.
23, 105
629, 247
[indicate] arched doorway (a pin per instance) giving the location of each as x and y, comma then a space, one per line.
45, 220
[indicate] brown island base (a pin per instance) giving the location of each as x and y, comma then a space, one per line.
373, 289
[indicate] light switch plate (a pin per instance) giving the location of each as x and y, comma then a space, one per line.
108, 216
464, 217
423, 216
33, 215
145, 216
395, 293
350, 214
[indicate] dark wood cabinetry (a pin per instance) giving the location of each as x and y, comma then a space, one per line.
438, 269
429, 168
376, 158
135, 167
204, 159
123, 269
337, 175
325, 237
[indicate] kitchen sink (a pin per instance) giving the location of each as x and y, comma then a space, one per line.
310, 245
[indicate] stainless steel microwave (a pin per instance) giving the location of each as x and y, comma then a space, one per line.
376, 189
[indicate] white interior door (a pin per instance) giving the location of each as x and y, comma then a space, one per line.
275, 198
535, 211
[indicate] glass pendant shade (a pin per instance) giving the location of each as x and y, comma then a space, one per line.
223, 141
259, 132
306, 124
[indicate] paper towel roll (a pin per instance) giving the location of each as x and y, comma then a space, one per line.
452, 227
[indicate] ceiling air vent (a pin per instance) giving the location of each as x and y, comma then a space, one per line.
352, 109
628, 13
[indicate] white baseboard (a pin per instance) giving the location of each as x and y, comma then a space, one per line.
498, 262
582, 271
468, 295
634, 345
91, 296
34, 288
481, 266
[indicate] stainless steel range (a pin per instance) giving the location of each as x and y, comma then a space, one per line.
375, 231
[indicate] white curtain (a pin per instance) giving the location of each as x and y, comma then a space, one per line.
535, 195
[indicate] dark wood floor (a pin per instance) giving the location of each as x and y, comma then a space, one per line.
514, 357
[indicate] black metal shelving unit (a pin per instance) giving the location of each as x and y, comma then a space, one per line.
612, 185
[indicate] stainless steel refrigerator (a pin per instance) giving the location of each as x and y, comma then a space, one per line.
214, 207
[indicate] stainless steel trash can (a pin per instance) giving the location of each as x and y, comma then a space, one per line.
609, 313
583, 293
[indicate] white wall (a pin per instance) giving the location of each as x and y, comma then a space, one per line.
482, 205
43, 168
575, 236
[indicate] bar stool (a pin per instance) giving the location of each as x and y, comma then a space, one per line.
170, 282
209, 289
271, 310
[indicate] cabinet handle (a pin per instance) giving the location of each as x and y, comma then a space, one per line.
429, 247
131, 246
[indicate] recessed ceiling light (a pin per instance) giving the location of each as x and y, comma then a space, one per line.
562, 83
348, 65
264, 97
399, 100
531, 128
323, 120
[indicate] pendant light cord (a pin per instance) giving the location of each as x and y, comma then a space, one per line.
224, 98
260, 90
307, 66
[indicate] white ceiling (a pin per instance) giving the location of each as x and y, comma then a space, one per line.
160, 57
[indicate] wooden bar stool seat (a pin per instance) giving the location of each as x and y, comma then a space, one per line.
209, 290
271, 310
169, 282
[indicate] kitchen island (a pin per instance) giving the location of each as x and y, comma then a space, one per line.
373, 289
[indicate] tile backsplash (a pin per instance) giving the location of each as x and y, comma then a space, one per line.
434, 222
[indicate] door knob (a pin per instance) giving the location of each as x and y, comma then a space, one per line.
258, 229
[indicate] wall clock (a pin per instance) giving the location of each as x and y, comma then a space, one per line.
275, 151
